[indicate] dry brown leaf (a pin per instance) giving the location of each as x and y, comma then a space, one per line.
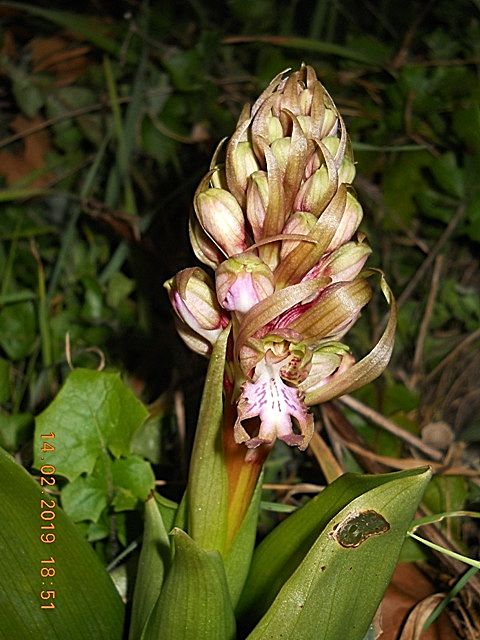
409, 587
325, 458
414, 626
15, 166
55, 55
8, 47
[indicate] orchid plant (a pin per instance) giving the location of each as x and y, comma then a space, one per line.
276, 222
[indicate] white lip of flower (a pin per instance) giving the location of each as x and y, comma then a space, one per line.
275, 404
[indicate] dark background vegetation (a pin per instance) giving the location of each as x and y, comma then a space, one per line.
109, 117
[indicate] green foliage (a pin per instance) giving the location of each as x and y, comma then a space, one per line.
94, 418
283, 551
337, 588
94, 220
194, 603
85, 599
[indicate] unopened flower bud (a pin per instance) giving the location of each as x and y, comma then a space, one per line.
306, 125
257, 202
193, 298
244, 163
300, 223
312, 192
330, 123
346, 170
275, 130
281, 151
218, 178
345, 263
242, 282
203, 246
349, 223
222, 218
327, 361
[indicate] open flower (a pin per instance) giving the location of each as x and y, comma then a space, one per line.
276, 218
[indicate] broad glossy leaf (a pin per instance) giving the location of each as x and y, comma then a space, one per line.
194, 603
93, 414
337, 588
87, 604
281, 552
153, 563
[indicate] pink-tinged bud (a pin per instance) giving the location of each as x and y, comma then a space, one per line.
203, 246
244, 163
257, 202
300, 223
222, 218
349, 223
345, 263
193, 298
242, 282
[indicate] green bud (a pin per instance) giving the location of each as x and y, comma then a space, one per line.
244, 163
257, 202
222, 218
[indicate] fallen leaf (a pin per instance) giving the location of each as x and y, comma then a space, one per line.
417, 618
407, 589
17, 165
57, 56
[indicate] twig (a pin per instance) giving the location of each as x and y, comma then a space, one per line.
390, 426
410, 463
75, 113
453, 354
427, 263
288, 487
422, 333
326, 460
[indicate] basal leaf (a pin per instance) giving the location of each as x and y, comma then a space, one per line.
86, 603
338, 586
153, 563
281, 552
194, 603
208, 485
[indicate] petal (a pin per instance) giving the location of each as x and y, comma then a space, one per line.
275, 404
